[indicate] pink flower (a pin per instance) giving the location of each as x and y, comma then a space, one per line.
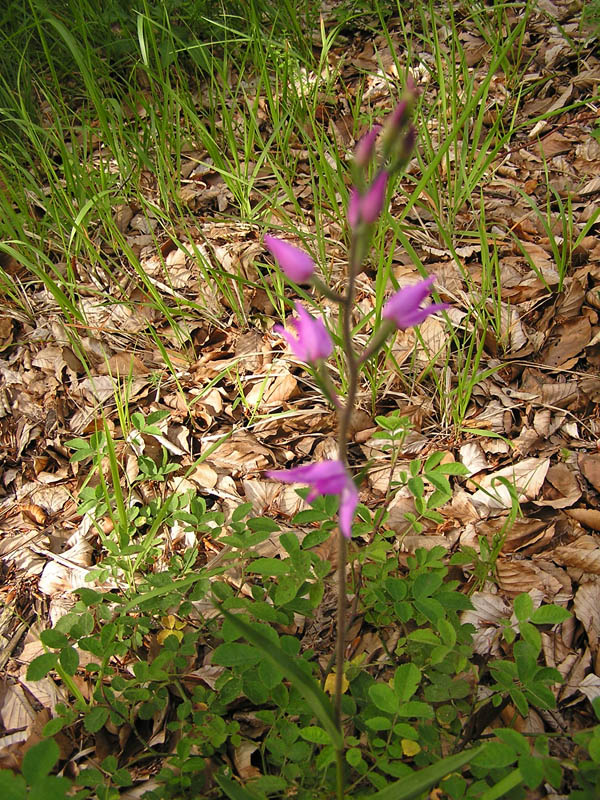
312, 341
371, 204
399, 115
403, 307
295, 263
354, 207
325, 477
365, 146
368, 207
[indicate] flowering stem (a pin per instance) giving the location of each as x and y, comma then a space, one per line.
345, 415
377, 341
328, 387
330, 294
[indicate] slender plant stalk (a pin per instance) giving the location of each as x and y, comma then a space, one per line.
345, 415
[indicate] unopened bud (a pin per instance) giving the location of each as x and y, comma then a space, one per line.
354, 207
371, 204
366, 146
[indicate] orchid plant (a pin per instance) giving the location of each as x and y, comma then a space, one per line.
310, 342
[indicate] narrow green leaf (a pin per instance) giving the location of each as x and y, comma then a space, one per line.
307, 686
232, 789
504, 786
414, 786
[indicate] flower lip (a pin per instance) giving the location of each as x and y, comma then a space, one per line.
294, 262
325, 477
403, 307
312, 340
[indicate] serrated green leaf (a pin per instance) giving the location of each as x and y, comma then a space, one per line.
69, 660
495, 755
523, 606
269, 567
41, 666
236, 654
232, 789
94, 720
39, 760
406, 681
532, 770
416, 709
384, 697
314, 734
12, 787
53, 638
513, 739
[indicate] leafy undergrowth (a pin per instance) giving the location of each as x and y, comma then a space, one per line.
168, 612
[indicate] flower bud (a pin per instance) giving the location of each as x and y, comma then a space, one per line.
366, 146
295, 263
354, 207
371, 204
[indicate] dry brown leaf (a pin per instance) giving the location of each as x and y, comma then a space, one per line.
586, 605
526, 476
583, 554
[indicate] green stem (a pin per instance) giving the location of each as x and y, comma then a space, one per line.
331, 294
70, 683
386, 327
345, 415
339, 774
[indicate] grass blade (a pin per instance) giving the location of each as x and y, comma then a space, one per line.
310, 690
421, 781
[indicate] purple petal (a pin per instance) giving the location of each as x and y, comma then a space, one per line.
308, 473
403, 307
372, 202
312, 340
354, 207
348, 503
295, 263
366, 145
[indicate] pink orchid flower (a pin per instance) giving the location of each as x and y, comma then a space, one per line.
312, 341
325, 477
403, 307
295, 263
